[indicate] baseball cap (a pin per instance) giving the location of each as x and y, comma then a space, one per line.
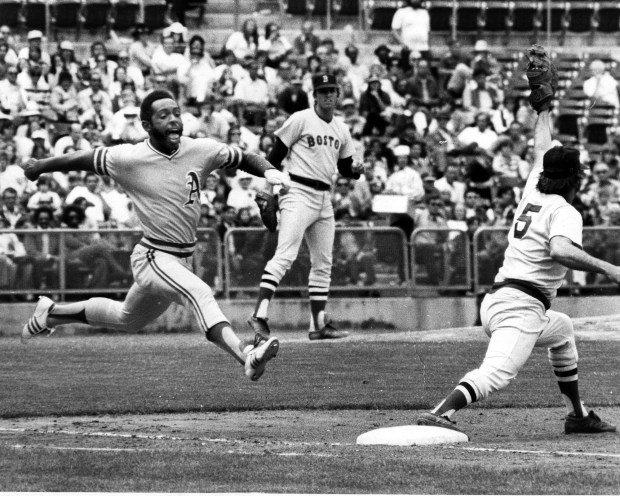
34, 34
372, 78
324, 81
481, 46
401, 150
66, 45
38, 134
348, 102
561, 162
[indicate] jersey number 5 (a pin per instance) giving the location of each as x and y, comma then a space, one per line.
525, 220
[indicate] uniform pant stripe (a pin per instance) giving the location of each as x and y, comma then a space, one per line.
468, 390
318, 298
167, 279
565, 373
267, 285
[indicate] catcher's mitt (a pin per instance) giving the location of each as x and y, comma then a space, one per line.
542, 77
268, 206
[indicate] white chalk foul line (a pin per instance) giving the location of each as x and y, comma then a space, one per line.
164, 437
538, 452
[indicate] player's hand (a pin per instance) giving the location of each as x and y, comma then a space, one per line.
358, 167
614, 274
31, 169
275, 177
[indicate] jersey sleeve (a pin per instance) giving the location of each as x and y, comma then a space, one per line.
108, 160
567, 222
218, 155
291, 130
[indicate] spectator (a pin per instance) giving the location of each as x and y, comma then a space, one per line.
11, 252
100, 116
11, 211
601, 87
74, 139
244, 42
411, 27
11, 174
483, 59
11, 97
429, 245
34, 86
140, 50
373, 103
166, 61
85, 252
35, 39
210, 124
95, 88
243, 195
275, 45
293, 98
352, 118
197, 75
423, 87
508, 168
602, 182
479, 137
44, 196
447, 67
353, 265
6, 38
99, 210
306, 43
451, 184
479, 95
99, 61
64, 99
42, 250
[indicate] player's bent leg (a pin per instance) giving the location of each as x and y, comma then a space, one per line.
223, 336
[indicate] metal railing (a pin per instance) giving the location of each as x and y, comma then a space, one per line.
367, 261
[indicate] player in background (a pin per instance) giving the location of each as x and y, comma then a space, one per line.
311, 146
543, 243
162, 176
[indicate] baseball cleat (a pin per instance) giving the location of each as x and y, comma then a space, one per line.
434, 420
37, 324
260, 328
592, 424
328, 331
258, 357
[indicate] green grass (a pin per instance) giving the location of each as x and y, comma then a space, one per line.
281, 430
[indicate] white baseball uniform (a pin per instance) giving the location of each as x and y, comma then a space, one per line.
165, 191
516, 313
315, 146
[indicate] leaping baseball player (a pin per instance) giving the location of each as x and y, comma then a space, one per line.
543, 243
311, 146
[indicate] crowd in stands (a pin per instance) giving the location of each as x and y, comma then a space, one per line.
447, 133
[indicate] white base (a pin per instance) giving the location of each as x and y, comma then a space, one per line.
412, 435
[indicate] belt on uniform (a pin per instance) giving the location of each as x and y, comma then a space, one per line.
311, 183
524, 286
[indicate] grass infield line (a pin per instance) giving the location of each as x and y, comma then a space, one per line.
538, 452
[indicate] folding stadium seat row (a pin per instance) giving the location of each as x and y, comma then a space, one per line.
319, 7
83, 14
479, 17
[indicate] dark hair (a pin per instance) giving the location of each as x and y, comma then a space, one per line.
37, 213
146, 108
70, 209
558, 186
195, 38
65, 76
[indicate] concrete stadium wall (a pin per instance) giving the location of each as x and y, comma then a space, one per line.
415, 314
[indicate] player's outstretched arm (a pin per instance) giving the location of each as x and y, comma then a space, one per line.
76, 161
258, 166
563, 251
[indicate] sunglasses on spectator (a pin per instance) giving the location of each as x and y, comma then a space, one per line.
601, 171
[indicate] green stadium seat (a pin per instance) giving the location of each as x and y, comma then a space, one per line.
125, 14
35, 14
156, 14
608, 17
66, 14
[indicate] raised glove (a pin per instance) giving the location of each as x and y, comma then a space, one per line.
268, 206
542, 77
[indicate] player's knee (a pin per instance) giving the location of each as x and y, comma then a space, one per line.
488, 379
564, 355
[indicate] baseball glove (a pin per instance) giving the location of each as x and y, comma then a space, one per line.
268, 206
542, 77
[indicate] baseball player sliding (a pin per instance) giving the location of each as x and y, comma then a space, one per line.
311, 145
543, 243
162, 176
